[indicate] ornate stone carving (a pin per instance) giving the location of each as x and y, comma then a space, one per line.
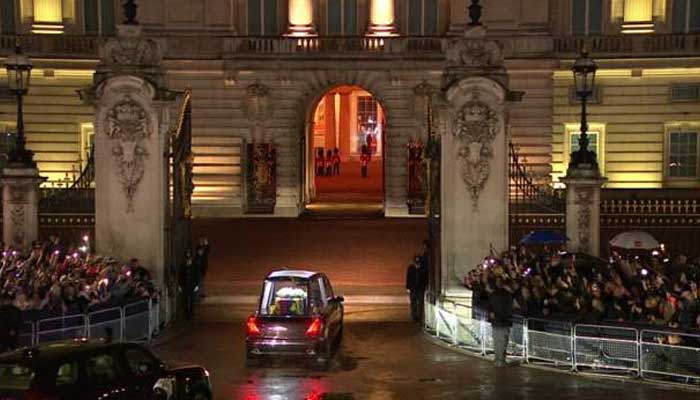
475, 128
17, 214
475, 53
128, 126
256, 104
129, 48
584, 200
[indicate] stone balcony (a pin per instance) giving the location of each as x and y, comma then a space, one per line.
207, 46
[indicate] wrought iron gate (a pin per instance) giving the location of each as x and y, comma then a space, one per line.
181, 160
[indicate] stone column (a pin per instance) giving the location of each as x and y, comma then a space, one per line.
132, 124
20, 206
301, 18
345, 128
329, 121
381, 18
474, 158
583, 187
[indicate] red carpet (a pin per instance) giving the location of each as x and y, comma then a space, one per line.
350, 185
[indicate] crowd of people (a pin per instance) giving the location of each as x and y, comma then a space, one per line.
651, 289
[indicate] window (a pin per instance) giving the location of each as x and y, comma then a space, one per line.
99, 17
342, 17
102, 369
286, 297
422, 17
587, 17
685, 93
262, 17
87, 142
316, 300
15, 377
596, 142
7, 138
682, 153
67, 374
686, 16
7, 17
141, 363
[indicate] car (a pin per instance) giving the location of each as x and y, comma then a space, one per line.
298, 315
88, 370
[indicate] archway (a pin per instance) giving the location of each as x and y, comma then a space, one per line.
345, 151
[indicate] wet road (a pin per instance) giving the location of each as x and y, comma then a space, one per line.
384, 361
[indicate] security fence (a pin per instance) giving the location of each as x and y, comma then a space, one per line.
131, 322
599, 349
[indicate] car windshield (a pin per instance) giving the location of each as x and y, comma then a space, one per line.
15, 377
284, 297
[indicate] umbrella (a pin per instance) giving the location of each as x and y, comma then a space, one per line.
635, 240
543, 237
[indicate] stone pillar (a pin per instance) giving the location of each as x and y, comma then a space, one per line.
381, 18
132, 124
329, 121
345, 126
474, 158
301, 18
20, 206
583, 187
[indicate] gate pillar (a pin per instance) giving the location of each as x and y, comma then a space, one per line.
20, 205
474, 158
132, 121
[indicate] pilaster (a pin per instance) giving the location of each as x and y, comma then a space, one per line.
20, 206
583, 187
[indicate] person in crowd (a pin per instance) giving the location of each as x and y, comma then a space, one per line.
501, 317
329, 162
320, 163
411, 286
201, 255
137, 271
10, 322
336, 161
189, 281
364, 161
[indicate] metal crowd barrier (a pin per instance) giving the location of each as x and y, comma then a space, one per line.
598, 349
132, 322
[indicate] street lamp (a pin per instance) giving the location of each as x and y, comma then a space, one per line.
19, 70
584, 77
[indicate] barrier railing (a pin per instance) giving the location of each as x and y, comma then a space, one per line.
132, 322
599, 349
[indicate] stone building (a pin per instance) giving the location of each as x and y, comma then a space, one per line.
258, 70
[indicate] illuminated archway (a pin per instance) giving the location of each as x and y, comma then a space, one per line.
346, 121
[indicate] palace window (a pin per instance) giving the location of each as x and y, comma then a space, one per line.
342, 17
422, 17
637, 16
686, 16
99, 17
7, 139
87, 142
682, 152
587, 17
262, 17
596, 142
7, 17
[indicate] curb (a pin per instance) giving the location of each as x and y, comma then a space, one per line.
169, 332
585, 375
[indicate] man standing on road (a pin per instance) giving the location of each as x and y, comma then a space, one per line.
189, 281
10, 321
411, 278
501, 315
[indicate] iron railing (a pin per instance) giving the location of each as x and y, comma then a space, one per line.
526, 196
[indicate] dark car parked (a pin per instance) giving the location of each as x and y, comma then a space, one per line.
85, 370
298, 315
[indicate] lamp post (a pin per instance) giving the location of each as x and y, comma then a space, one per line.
19, 70
584, 70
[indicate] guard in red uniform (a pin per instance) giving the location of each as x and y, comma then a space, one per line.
336, 161
364, 160
329, 162
320, 163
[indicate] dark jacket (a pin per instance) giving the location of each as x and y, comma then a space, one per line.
411, 276
10, 320
501, 307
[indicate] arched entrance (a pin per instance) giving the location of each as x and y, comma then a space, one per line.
344, 151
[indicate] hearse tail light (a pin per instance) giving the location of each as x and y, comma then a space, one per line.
252, 328
314, 329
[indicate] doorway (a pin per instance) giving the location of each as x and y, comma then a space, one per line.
345, 151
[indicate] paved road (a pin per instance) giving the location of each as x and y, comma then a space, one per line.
385, 361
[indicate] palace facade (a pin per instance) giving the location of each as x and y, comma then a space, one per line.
303, 75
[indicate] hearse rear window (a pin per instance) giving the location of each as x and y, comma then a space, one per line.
284, 297
15, 377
